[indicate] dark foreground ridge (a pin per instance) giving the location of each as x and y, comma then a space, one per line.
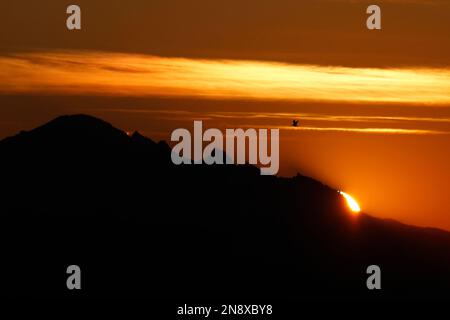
79, 191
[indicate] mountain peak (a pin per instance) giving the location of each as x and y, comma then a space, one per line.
68, 130
77, 135
78, 118
80, 123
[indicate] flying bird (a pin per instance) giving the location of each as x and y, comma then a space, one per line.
295, 123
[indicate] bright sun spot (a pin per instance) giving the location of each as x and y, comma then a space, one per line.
354, 206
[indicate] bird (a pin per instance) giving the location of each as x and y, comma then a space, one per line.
295, 123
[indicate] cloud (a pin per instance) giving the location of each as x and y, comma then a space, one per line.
308, 121
368, 130
112, 74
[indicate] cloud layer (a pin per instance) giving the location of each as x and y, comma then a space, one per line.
112, 74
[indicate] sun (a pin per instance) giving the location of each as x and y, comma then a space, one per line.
353, 205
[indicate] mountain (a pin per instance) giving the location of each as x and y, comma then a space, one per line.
79, 191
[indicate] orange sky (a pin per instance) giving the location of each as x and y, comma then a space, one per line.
374, 106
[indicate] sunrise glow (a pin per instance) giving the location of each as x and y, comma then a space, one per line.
352, 204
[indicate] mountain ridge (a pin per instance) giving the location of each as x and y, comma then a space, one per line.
81, 121
79, 174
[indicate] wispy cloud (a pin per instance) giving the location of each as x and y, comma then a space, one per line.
368, 130
309, 121
285, 115
99, 73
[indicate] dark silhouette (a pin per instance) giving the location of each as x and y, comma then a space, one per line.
79, 191
295, 123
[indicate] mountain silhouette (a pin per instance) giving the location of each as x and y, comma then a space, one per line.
79, 191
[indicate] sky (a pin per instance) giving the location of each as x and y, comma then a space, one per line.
373, 106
